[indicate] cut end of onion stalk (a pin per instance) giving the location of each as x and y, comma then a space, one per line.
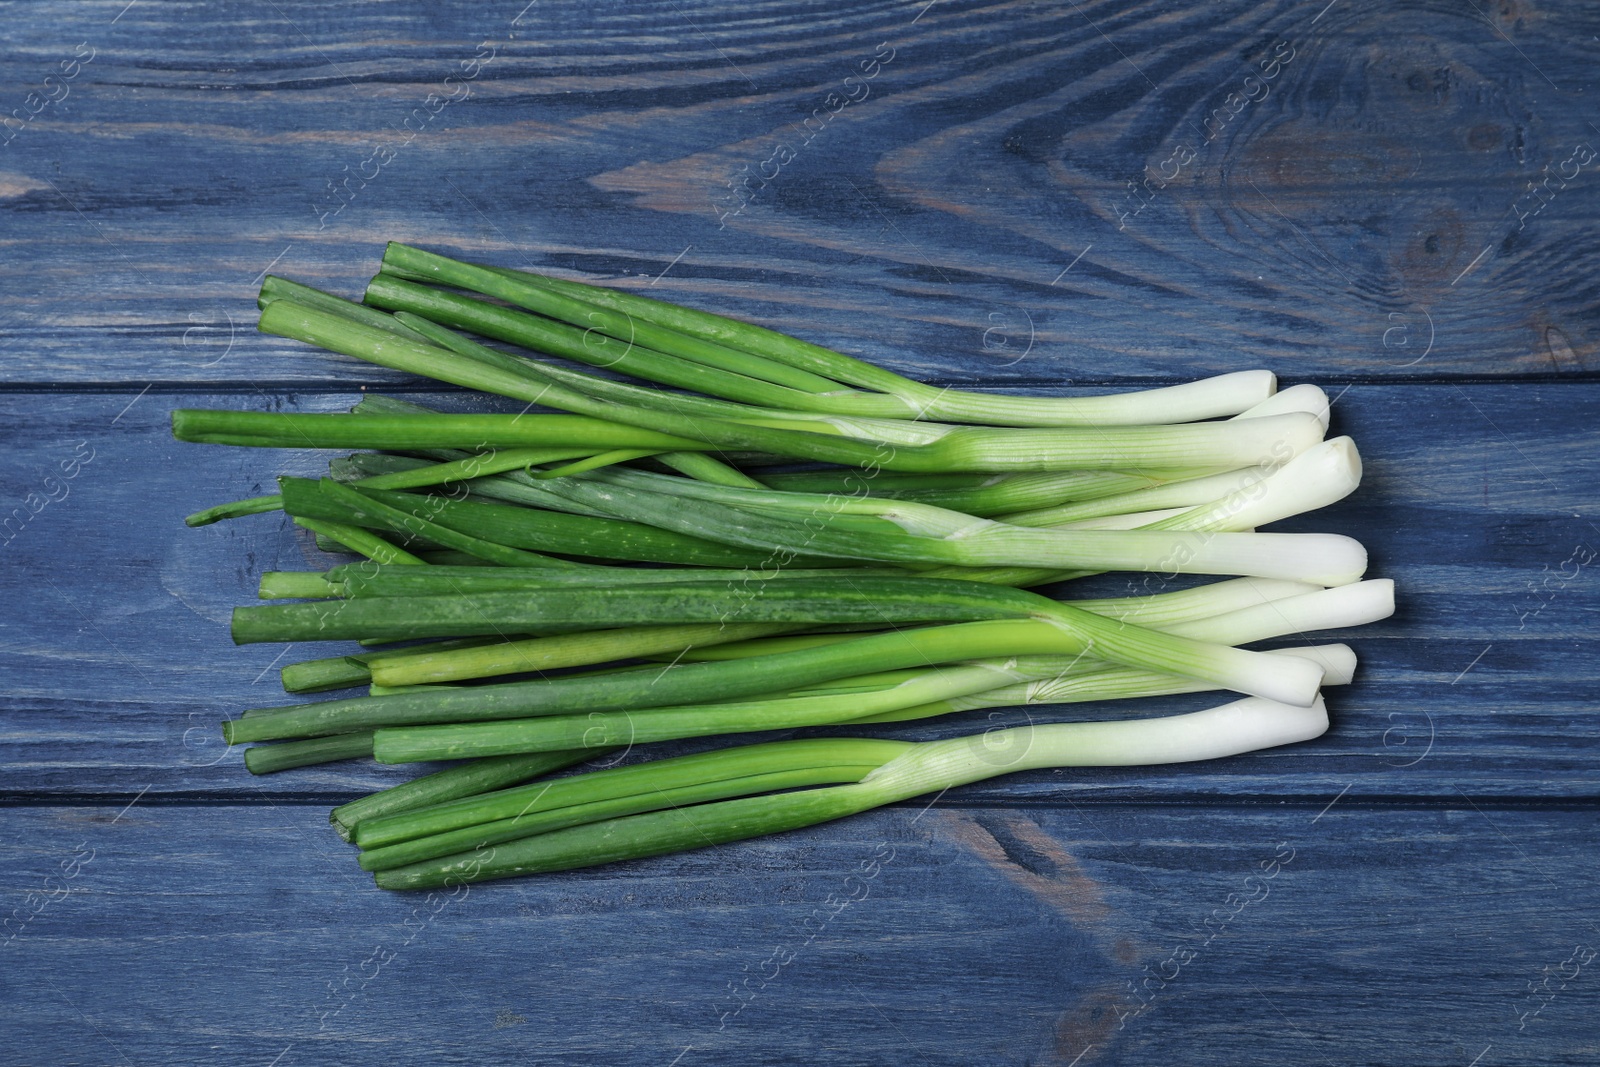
1330, 560
1319, 476
1322, 475
1338, 662
1355, 604
1290, 680
1321, 559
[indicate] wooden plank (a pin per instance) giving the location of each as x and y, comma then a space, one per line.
1122, 935
1477, 502
1002, 191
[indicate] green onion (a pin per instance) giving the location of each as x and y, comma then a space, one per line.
330, 501
362, 542
1205, 445
255, 505
916, 533
1161, 611
1062, 630
565, 650
290, 585
728, 764
1225, 395
1105, 683
473, 466
484, 819
643, 567
276, 288
815, 600
855, 699
341, 672
452, 783
269, 759
1242, 726
706, 469
366, 580
574, 535
286, 430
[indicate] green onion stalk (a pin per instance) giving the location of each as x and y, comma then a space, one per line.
692, 642
1011, 495
466, 658
481, 820
932, 691
918, 534
415, 475
1036, 626
799, 666
452, 783
693, 336
342, 672
474, 526
1320, 476
1213, 446
912, 770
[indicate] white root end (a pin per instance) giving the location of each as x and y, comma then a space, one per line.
1229, 730
1328, 609
1338, 662
1309, 398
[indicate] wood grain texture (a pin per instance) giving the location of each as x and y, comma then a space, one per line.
1474, 502
1363, 190
1402, 198
996, 937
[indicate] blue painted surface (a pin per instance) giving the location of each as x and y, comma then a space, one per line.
1366, 220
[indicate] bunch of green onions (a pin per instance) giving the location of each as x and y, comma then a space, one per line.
784, 537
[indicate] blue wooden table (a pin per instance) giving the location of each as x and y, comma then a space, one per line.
1398, 201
